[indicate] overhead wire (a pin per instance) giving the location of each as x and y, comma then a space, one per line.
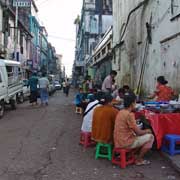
62, 38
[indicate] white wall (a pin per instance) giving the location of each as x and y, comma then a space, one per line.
162, 58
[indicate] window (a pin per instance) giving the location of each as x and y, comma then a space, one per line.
9, 71
103, 51
175, 7
109, 46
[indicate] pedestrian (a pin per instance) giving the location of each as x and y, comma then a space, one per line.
44, 86
33, 82
67, 87
108, 82
64, 86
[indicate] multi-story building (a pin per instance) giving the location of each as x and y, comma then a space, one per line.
59, 58
2, 49
102, 56
52, 59
35, 58
146, 41
15, 43
96, 17
44, 45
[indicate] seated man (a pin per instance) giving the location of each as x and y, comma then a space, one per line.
103, 122
88, 114
128, 135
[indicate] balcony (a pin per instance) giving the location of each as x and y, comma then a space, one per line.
79, 63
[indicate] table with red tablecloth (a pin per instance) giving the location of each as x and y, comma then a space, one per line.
162, 124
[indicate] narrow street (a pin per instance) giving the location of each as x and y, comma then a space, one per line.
41, 143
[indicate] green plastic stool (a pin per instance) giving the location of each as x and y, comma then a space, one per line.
108, 155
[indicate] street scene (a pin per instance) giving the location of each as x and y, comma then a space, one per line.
89, 89
42, 143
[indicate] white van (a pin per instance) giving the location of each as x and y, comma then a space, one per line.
11, 84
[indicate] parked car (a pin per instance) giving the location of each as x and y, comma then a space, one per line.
57, 85
51, 88
11, 84
26, 89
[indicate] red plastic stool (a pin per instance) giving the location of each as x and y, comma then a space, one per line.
85, 139
123, 157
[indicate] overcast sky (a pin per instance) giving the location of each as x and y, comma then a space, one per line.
58, 17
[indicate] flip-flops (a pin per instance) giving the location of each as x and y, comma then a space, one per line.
143, 162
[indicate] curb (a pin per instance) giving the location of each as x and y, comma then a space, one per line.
172, 161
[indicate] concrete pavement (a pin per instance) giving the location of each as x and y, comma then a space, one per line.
41, 143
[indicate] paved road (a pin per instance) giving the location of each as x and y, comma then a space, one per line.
41, 143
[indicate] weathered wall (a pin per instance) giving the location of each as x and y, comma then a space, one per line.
163, 58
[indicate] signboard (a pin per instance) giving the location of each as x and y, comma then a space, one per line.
21, 3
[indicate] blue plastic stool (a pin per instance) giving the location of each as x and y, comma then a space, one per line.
169, 144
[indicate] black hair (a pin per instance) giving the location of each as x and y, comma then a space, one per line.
121, 90
126, 87
113, 73
162, 80
106, 98
43, 74
129, 100
99, 95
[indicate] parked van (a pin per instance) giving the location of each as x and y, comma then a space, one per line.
11, 84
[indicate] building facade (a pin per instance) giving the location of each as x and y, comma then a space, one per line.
146, 38
28, 43
102, 58
95, 19
15, 43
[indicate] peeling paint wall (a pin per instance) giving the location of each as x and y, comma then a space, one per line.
162, 56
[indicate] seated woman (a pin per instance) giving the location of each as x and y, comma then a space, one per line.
88, 114
103, 122
128, 135
163, 92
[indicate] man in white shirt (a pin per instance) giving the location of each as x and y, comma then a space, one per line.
44, 85
88, 114
107, 83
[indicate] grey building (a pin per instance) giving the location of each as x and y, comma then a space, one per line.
95, 19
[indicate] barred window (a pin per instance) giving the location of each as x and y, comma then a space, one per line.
175, 7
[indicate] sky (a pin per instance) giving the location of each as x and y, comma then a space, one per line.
58, 17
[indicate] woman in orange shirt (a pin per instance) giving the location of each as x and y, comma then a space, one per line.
163, 92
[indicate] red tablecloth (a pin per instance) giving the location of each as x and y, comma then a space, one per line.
163, 124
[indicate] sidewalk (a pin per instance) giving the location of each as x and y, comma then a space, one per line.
173, 160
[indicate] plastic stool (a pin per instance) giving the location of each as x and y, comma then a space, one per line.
85, 139
169, 144
78, 110
123, 157
99, 154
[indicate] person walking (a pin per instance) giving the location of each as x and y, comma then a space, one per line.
33, 82
64, 86
67, 87
44, 85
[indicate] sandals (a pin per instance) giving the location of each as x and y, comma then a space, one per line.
143, 162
